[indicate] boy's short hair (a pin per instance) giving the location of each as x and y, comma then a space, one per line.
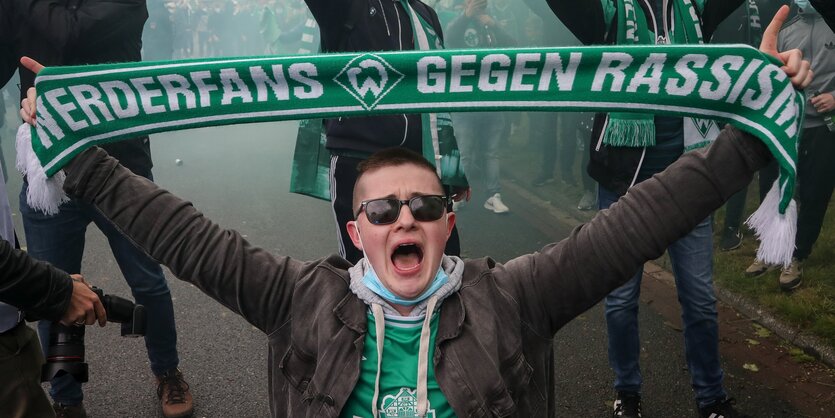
392, 157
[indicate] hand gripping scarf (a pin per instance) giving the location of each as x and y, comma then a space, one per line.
79, 107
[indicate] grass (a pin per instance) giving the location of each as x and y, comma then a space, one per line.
812, 306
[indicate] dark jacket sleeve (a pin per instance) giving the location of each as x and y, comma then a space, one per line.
88, 23
827, 10
248, 280
33, 286
715, 12
584, 18
565, 279
8, 56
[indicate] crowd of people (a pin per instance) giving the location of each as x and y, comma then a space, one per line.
399, 252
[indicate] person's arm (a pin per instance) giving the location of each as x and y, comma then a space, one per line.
588, 20
91, 23
565, 279
248, 280
569, 277
716, 11
826, 10
45, 292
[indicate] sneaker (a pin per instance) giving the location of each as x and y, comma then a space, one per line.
790, 277
69, 411
173, 393
542, 180
758, 268
495, 204
627, 405
731, 239
721, 409
588, 201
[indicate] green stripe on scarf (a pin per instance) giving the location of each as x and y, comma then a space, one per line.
79, 107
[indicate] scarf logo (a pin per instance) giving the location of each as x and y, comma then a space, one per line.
402, 405
703, 126
368, 78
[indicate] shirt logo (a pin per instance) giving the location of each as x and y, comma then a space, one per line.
402, 405
829, 45
368, 78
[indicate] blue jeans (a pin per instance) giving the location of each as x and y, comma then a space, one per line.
59, 239
692, 261
478, 133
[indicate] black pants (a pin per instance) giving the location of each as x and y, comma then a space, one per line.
343, 176
815, 180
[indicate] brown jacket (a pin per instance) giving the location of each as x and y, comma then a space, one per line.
493, 353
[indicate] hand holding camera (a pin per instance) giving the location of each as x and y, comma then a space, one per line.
85, 306
65, 354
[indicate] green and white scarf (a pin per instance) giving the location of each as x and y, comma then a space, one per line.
79, 107
638, 129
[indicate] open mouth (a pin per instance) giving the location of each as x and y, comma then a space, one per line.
407, 257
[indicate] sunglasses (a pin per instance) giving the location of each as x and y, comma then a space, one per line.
387, 210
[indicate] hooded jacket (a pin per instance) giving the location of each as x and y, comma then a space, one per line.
811, 35
493, 349
370, 25
78, 32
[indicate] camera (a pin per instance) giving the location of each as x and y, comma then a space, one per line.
65, 354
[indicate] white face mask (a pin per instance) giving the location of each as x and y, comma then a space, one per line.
803, 4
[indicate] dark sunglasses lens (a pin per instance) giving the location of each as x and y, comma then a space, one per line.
382, 211
427, 208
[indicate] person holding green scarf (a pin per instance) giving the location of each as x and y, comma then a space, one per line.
375, 25
410, 331
628, 148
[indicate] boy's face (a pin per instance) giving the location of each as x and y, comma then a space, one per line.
405, 254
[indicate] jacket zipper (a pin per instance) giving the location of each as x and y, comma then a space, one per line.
602, 132
405, 130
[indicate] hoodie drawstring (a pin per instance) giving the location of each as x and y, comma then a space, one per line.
423, 356
423, 359
380, 325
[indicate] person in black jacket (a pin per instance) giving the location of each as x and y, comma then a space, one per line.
76, 32
826, 10
368, 25
618, 168
41, 291
32, 290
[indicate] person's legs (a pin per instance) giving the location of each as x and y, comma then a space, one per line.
734, 210
815, 178
543, 131
466, 134
692, 261
343, 174
491, 128
622, 324
59, 240
567, 139
150, 289
21, 395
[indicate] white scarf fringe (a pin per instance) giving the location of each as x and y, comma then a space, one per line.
44, 194
775, 231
